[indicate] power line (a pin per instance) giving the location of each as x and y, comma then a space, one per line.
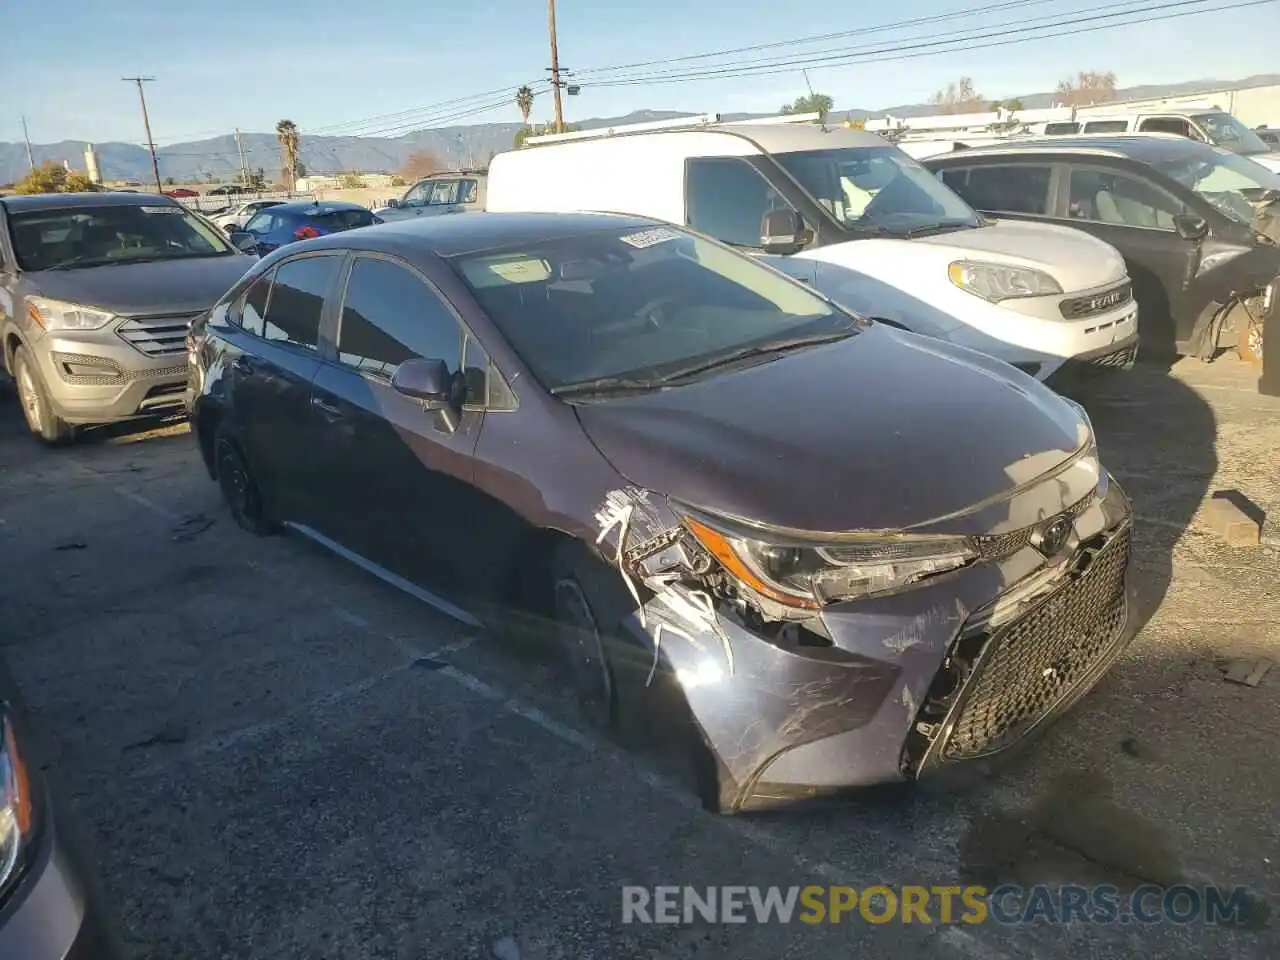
822, 37
926, 47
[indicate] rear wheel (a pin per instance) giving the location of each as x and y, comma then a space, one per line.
239, 486
36, 409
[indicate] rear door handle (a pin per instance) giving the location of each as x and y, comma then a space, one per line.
330, 411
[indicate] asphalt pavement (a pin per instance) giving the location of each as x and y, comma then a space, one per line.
275, 755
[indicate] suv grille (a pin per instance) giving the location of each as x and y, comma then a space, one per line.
157, 336
1029, 666
1077, 308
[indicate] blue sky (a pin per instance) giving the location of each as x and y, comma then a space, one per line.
332, 67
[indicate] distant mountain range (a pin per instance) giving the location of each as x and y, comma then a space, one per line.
218, 158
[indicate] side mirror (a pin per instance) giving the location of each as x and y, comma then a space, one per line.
1190, 227
427, 380
244, 241
783, 232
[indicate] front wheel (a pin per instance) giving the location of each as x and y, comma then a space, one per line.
588, 611
36, 409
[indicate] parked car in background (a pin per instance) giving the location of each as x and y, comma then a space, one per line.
1210, 126
857, 554
50, 904
856, 218
1197, 225
238, 214
227, 190
181, 193
97, 292
1270, 136
441, 193
299, 220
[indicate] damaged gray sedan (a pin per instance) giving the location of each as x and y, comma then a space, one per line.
856, 555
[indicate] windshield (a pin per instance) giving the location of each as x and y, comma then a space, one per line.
638, 304
879, 189
1230, 182
91, 236
1230, 134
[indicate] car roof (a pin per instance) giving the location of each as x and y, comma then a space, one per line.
316, 206
63, 201
476, 232
1140, 147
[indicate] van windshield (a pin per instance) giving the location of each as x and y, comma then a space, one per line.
878, 189
1230, 134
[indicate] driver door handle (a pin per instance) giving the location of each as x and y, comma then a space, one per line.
329, 410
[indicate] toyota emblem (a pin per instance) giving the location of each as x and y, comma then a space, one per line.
1052, 538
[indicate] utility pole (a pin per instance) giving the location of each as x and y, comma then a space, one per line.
146, 122
31, 161
244, 168
555, 65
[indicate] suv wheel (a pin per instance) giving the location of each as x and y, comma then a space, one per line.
239, 486
41, 420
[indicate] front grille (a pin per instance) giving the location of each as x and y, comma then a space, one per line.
157, 336
1029, 666
1000, 545
1077, 308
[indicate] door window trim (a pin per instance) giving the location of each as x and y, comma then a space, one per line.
333, 328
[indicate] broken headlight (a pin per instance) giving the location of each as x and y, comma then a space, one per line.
16, 808
809, 575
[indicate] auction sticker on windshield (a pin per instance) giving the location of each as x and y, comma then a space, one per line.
160, 209
647, 238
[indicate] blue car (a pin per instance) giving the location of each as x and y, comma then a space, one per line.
285, 223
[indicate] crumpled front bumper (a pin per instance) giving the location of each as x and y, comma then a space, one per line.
906, 685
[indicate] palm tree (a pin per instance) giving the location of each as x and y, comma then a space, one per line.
524, 100
287, 134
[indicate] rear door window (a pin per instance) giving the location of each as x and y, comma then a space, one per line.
727, 198
297, 300
444, 191
1004, 188
252, 307
1166, 125
390, 315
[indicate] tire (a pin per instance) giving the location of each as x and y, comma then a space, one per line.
34, 400
239, 486
586, 604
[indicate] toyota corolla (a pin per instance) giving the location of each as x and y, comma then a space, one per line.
859, 555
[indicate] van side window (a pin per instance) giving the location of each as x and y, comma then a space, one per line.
1117, 198
1106, 126
1005, 188
726, 198
467, 191
1061, 127
1166, 125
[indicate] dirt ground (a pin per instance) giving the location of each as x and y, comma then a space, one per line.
275, 755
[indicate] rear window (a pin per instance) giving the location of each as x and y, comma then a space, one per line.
338, 220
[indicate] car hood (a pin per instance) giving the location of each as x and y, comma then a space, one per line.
1073, 258
885, 430
139, 289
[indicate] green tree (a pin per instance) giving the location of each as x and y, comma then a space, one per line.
287, 135
524, 100
818, 103
52, 177
350, 180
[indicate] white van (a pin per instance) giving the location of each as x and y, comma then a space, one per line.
859, 220
1210, 125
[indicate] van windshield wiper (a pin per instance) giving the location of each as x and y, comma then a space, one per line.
775, 348
939, 227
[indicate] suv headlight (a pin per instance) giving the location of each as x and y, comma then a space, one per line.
17, 813
60, 315
809, 575
996, 281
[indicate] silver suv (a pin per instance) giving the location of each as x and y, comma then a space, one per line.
97, 293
